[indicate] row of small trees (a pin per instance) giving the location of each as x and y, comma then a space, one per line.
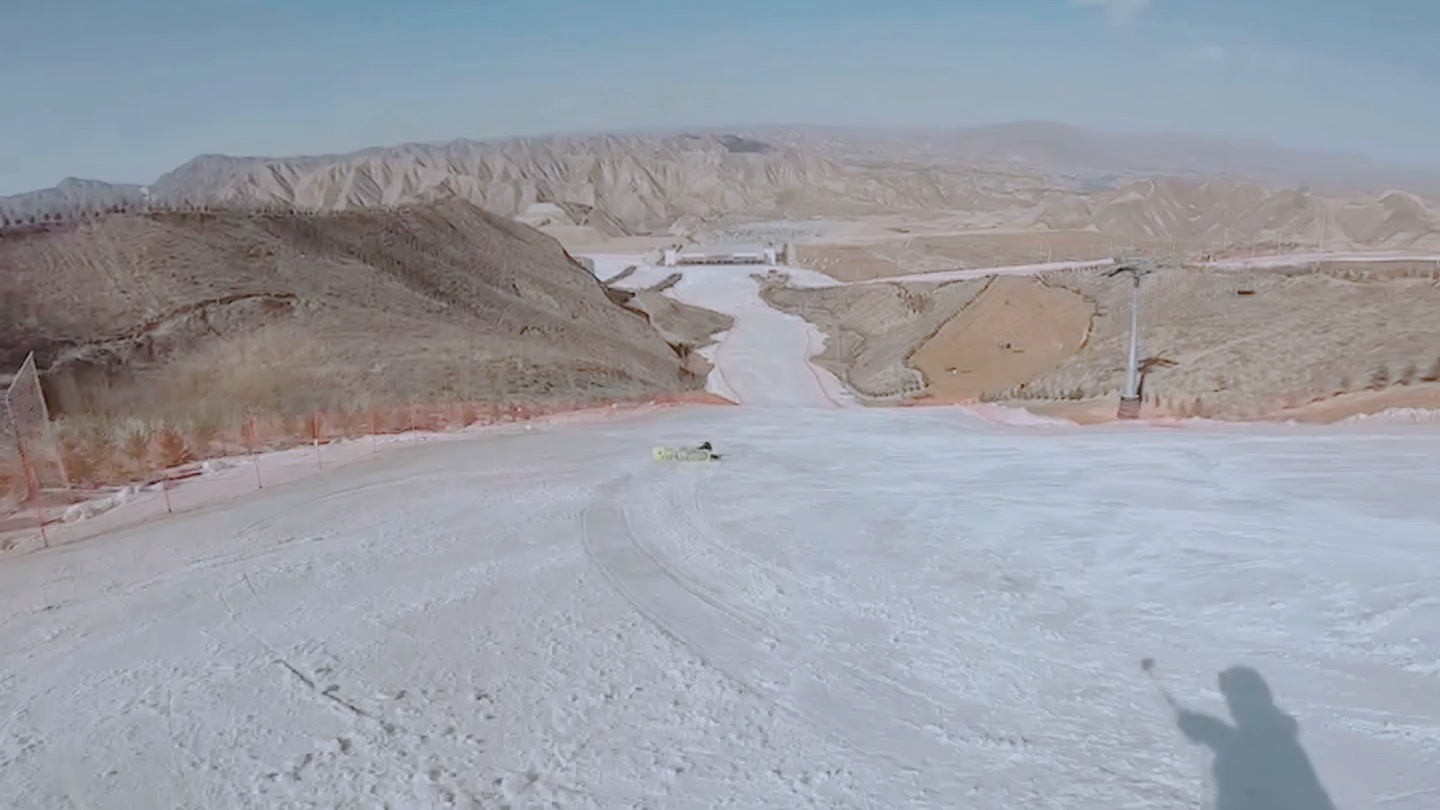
58, 218
14, 221
10, 220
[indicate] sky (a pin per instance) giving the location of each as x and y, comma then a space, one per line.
124, 91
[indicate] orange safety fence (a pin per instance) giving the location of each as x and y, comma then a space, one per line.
164, 454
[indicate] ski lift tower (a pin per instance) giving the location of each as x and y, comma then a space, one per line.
1130, 399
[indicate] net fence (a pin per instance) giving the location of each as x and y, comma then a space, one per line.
30, 458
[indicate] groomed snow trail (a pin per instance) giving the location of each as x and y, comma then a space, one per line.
764, 360
855, 609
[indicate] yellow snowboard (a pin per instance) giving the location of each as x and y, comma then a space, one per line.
684, 454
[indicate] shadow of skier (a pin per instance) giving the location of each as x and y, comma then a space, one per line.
1259, 762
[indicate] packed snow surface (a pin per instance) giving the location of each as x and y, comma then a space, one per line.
855, 608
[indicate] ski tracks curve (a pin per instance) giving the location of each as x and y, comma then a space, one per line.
624, 530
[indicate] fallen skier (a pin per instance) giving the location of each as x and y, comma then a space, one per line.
701, 452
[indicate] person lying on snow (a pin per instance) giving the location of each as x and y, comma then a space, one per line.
702, 452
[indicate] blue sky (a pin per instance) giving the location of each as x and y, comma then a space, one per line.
122, 90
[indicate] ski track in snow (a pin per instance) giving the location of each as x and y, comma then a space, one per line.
856, 608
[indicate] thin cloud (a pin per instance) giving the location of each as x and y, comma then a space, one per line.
1121, 11
1209, 54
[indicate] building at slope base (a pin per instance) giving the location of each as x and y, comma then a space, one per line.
726, 254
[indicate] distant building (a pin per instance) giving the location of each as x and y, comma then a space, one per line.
721, 254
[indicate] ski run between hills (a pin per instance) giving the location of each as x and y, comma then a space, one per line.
856, 608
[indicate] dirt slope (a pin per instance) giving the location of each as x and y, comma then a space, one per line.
1216, 343
138, 312
1014, 331
1246, 343
872, 329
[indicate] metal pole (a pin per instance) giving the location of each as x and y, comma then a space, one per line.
1132, 377
1130, 398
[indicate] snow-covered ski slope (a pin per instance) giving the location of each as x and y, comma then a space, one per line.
856, 609
764, 360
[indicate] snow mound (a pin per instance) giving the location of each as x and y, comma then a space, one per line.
99, 506
1408, 416
1015, 417
215, 466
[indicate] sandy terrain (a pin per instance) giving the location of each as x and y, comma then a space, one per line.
872, 329
1014, 331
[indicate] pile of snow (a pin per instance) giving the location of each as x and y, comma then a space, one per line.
215, 466
1014, 417
1408, 416
99, 506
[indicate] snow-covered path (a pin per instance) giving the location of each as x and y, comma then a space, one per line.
855, 609
764, 360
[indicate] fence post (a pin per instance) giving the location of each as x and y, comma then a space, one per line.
250, 422
316, 422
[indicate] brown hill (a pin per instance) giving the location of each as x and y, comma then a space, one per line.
1215, 215
1026, 179
1098, 156
639, 183
156, 313
585, 189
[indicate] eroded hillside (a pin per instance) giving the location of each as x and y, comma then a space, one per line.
139, 313
930, 201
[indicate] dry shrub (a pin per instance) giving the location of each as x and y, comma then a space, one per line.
171, 448
388, 421
202, 436
337, 424
134, 439
428, 419
288, 425
10, 485
469, 414
84, 453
